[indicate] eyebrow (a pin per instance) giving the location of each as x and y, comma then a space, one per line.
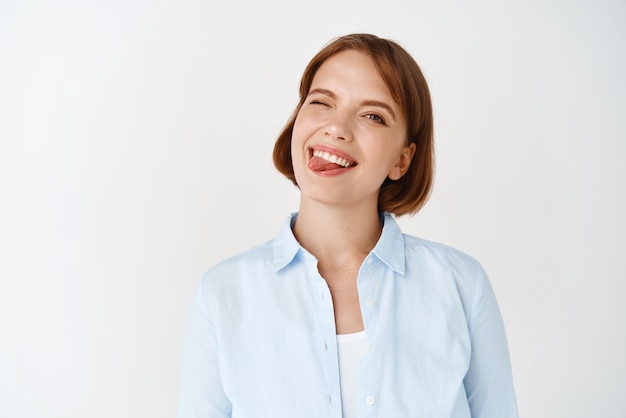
374, 103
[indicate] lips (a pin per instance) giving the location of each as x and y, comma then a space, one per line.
328, 160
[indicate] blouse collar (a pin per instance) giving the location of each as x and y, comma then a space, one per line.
389, 249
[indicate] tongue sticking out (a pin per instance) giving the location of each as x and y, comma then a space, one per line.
320, 164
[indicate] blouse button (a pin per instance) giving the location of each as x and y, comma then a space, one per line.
369, 303
370, 400
369, 261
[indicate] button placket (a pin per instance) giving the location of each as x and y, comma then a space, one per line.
369, 302
367, 286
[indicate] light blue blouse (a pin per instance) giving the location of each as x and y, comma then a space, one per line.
260, 338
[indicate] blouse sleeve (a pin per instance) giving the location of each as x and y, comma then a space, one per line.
200, 389
489, 381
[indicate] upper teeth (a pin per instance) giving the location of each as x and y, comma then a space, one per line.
331, 157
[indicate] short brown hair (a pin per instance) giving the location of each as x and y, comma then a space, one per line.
409, 89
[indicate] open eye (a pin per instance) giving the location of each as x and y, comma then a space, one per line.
376, 118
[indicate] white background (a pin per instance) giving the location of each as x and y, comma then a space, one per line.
135, 152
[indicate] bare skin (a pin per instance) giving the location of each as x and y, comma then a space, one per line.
340, 239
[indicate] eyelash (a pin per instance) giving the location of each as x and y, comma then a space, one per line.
371, 116
376, 118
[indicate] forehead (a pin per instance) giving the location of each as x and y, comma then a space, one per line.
352, 72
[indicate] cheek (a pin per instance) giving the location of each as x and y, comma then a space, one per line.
302, 130
298, 153
299, 126
296, 146
296, 131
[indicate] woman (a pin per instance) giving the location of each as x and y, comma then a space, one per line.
341, 314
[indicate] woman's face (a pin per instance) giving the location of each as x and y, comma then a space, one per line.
349, 135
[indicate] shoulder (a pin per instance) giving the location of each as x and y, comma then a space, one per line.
445, 267
231, 272
438, 253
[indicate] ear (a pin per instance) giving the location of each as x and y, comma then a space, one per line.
403, 163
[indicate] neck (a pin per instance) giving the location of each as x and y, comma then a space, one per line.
336, 233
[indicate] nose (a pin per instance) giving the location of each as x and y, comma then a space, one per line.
339, 127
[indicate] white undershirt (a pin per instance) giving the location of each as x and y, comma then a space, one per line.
351, 348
